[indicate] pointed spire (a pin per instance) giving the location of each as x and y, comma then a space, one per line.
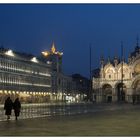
109, 59
102, 61
53, 48
137, 44
122, 52
115, 60
102, 58
129, 58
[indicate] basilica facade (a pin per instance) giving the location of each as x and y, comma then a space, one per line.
118, 80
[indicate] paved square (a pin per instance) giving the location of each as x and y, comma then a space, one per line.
122, 122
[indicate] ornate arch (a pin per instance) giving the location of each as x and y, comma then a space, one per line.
109, 66
107, 92
134, 82
136, 66
107, 88
106, 84
126, 71
136, 62
120, 90
109, 71
118, 82
136, 86
125, 66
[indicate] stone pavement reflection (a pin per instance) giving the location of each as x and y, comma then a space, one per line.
49, 109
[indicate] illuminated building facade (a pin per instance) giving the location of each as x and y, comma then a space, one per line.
118, 80
24, 76
55, 58
63, 87
36, 79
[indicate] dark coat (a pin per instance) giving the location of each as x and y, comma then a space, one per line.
16, 107
8, 105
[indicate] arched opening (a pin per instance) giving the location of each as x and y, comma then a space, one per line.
137, 69
136, 93
107, 93
121, 90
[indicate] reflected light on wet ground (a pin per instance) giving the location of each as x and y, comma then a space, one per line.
44, 110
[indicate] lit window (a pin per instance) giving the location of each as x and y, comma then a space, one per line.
48, 62
45, 53
10, 53
34, 59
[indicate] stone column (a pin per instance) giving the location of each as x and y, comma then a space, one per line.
128, 95
114, 95
99, 95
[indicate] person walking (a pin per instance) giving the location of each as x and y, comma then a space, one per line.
8, 105
16, 107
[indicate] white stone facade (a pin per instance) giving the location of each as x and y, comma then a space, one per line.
108, 86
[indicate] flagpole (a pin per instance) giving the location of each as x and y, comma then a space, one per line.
90, 76
122, 68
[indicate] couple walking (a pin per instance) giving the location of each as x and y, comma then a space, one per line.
9, 105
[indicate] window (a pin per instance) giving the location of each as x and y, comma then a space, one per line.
109, 76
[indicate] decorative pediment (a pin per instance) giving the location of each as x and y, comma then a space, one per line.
109, 68
137, 68
125, 67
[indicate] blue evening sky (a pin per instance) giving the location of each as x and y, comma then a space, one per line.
33, 28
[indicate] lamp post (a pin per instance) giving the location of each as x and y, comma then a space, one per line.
122, 71
90, 76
